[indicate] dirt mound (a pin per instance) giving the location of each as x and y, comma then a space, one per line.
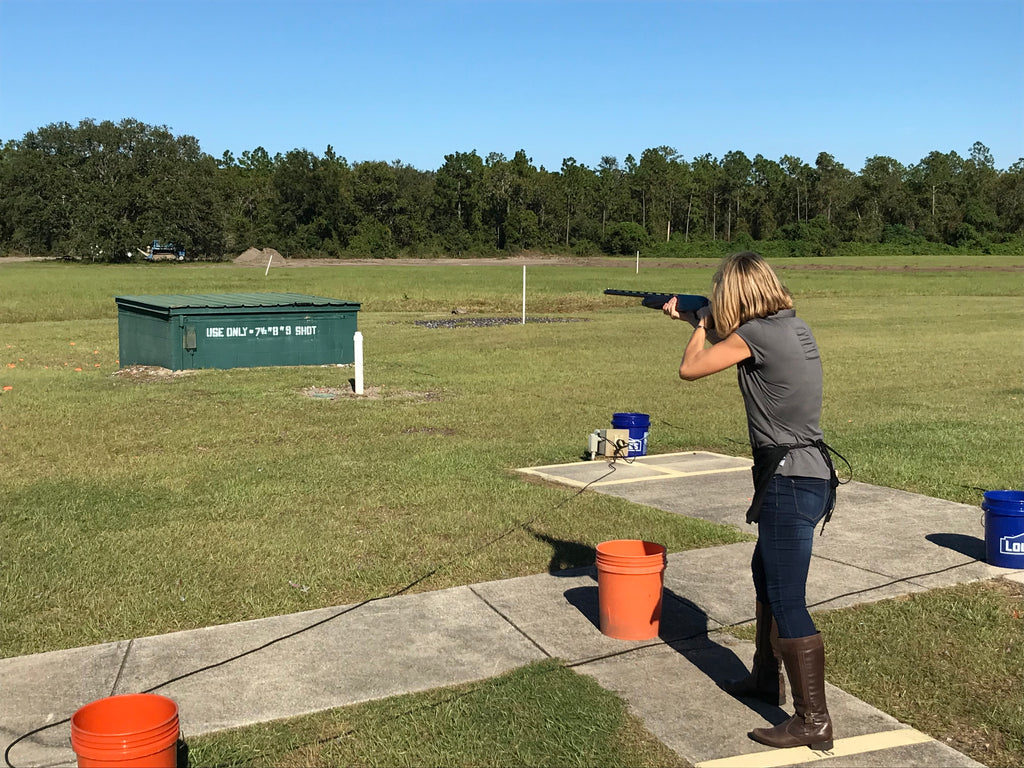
147, 373
260, 257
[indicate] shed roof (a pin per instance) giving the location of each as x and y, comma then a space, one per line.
230, 301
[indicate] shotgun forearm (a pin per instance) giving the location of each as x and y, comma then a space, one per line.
685, 302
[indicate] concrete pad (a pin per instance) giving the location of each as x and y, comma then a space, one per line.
881, 543
677, 697
591, 473
380, 649
1013, 574
676, 694
45, 688
904, 535
699, 484
832, 585
718, 582
693, 462
869, 526
904, 538
559, 613
719, 498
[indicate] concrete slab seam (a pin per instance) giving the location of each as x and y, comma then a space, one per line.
968, 580
859, 567
510, 623
120, 669
635, 646
259, 648
894, 580
853, 745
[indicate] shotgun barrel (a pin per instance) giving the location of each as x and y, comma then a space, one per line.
685, 302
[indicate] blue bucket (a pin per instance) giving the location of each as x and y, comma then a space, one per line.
1004, 528
639, 425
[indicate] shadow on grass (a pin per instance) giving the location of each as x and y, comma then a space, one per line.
565, 554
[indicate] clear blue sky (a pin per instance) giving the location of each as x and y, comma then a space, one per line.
414, 81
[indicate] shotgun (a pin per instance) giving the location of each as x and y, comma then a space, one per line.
685, 302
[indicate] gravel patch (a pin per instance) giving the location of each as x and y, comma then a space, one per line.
488, 322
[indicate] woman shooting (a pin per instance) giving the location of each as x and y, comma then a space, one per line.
750, 324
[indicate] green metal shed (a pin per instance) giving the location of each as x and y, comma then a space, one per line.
234, 330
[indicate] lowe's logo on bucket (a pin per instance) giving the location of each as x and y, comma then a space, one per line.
1012, 545
638, 447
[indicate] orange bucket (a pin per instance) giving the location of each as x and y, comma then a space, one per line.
630, 576
136, 730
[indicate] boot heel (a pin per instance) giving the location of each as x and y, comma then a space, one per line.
822, 746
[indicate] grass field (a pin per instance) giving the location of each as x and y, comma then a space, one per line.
136, 505
539, 715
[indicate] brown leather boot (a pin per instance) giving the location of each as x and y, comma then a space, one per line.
811, 726
765, 681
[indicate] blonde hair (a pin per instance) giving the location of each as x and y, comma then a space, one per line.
745, 287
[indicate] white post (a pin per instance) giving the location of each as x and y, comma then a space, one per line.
524, 294
268, 265
638, 262
357, 340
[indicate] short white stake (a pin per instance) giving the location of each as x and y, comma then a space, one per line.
268, 265
357, 343
524, 294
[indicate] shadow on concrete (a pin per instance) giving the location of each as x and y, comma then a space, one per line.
719, 663
684, 629
970, 546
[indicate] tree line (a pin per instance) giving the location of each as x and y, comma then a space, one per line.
100, 191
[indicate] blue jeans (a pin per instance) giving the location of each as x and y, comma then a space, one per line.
782, 556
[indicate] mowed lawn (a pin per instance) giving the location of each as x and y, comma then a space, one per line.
137, 504
143, 504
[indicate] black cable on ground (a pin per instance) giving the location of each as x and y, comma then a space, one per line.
620, 453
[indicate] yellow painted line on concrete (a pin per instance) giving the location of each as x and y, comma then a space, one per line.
668, 474
854, 745
555, 478
640, 460
665, 474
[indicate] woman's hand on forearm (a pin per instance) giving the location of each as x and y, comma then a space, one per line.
671, 310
